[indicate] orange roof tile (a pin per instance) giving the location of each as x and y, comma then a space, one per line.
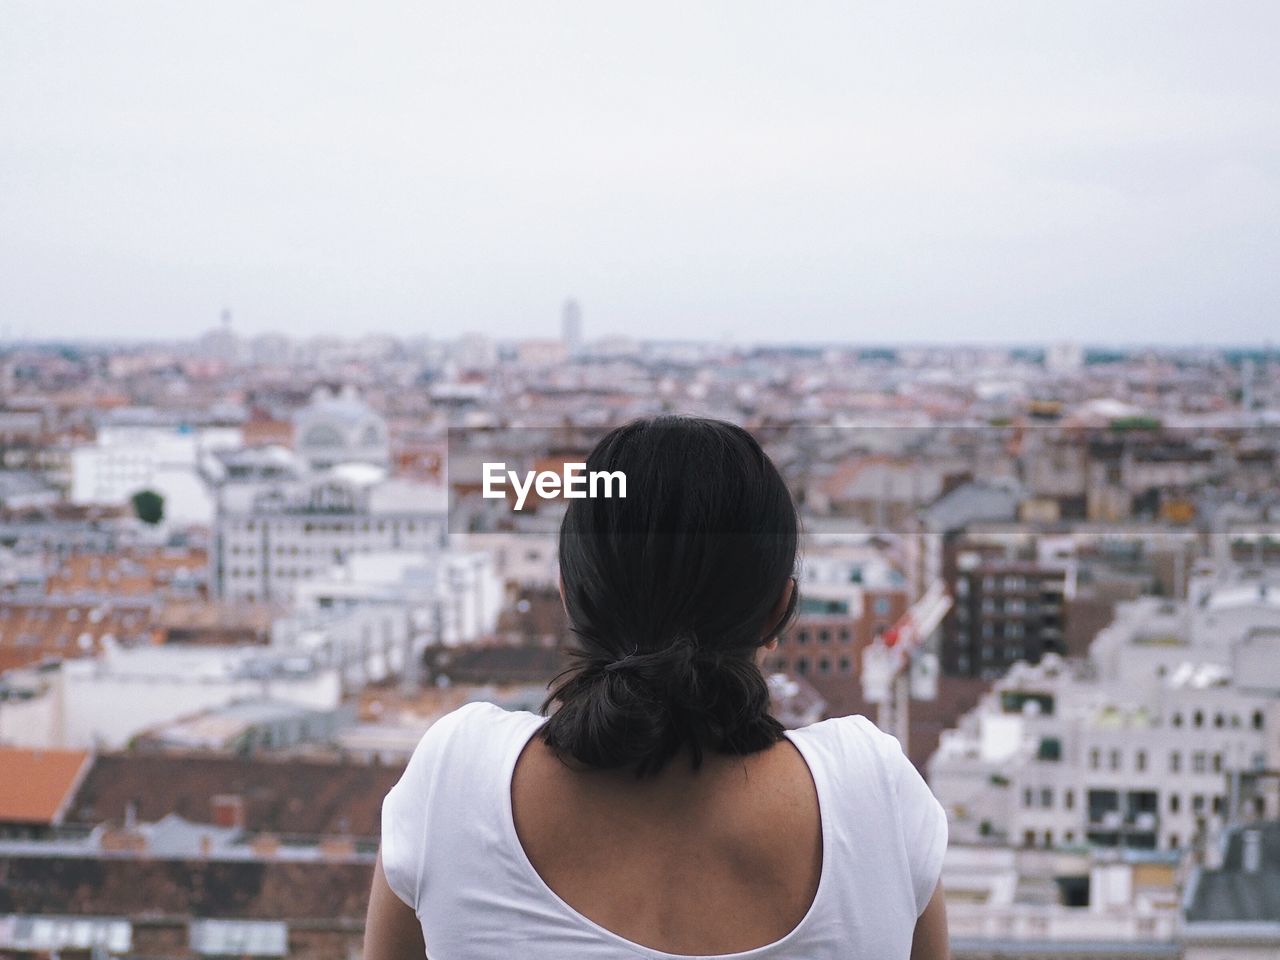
36, 785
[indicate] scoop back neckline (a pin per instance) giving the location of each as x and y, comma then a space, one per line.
652, 953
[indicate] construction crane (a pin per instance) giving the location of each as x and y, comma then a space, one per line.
897, 666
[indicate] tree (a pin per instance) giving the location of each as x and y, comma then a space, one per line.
149, 506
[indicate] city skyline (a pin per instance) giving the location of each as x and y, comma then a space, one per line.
844, 174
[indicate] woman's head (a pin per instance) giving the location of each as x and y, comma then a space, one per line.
670, 592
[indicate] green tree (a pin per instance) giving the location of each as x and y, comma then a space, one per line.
149, 506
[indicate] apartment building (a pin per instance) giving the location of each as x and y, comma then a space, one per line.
1005, 610
1135, 747
268, 539
849, 595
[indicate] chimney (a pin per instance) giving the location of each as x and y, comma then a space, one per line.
228, 810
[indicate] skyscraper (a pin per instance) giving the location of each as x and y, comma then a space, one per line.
571, 326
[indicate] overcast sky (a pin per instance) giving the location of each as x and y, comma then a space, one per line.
1107, 172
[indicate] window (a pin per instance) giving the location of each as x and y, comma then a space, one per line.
1197, 719
824, 665
1050, 749
824, 636
1046, 797
1175, 803
1069, 799
1176, 720
802, 665
1115, 759
1175, 762
1095, 758
1140, 761
1014, 583
846, 666
1173, 841
1257, 720
1198, 761
882, 606
1197, 803
1217, 763
1027, 797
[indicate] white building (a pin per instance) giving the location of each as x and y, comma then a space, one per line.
128, 458
373, 616
1135, 747
1004, 902
340, 428
268, 539
523, 560
1064, 357
106, 701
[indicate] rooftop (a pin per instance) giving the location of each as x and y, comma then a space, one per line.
291, 797
1246, 888
38, 784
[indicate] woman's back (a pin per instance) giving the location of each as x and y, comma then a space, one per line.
719, 860
834, 850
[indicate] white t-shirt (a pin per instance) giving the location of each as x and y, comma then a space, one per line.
450, 850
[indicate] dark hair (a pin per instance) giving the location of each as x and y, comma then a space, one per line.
669, 593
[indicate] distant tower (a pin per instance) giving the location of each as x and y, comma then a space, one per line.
571, 327
219, 343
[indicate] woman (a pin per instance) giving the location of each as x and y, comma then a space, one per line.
660, 811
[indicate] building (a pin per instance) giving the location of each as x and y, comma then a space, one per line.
1005, 610
338, 427
268, 539
163, 457
245, 728
78, 703
1232, 910
1135, 747
200, 856
57, 628
1004, 902
37, 788
375, 615
571, 327
849, 595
